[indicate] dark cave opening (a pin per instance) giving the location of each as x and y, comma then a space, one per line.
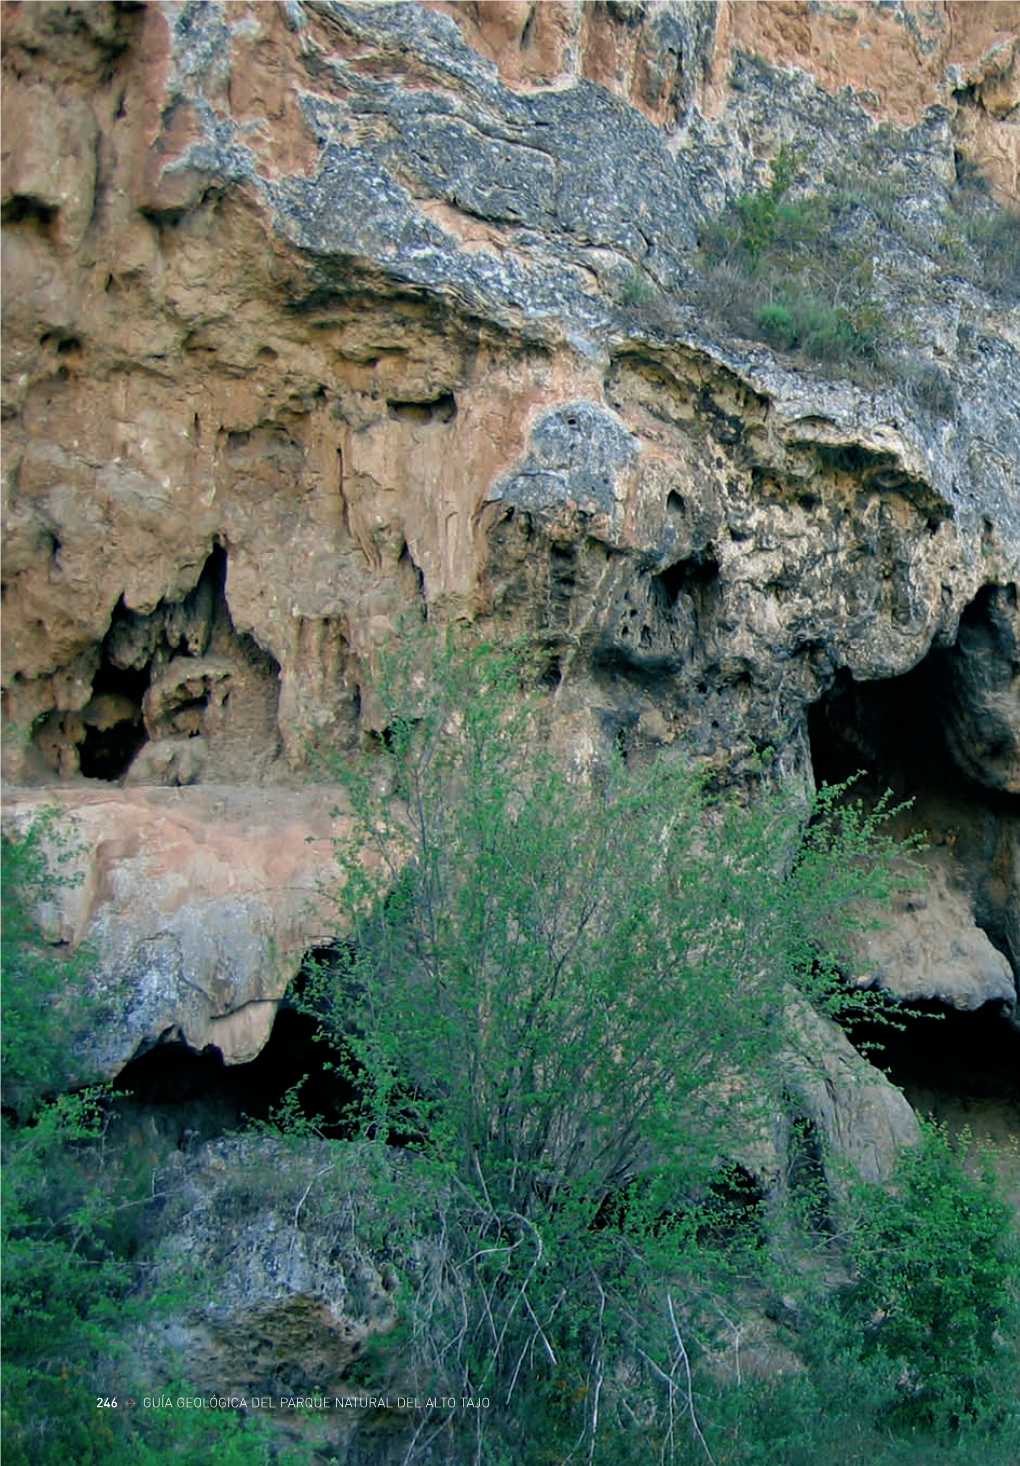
190, 1096
938, 736
949, 722
889, 730
960, 1068
114, 729
135, 647
166, 676
696, 577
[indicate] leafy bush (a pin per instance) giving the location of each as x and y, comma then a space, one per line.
637, 292
821, 331
911, 1361
569, 996
43, 988
542, 969
935, 1289
74, 1225
808, 292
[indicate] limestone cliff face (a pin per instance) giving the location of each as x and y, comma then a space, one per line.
316, 319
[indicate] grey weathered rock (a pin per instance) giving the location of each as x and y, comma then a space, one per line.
982, 719
931, 946
287, 1298
861, 1119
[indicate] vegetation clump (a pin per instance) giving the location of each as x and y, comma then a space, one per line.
76, 1223
833, 273
568, 997
800, 288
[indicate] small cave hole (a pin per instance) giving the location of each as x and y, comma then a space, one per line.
441, 409
695, 576
406, 559
552, 675
675, 504
64, 345
23, 208
114, 730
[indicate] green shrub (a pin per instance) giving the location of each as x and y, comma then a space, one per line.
43, 987
914, 1360
806, 291
995, 238
74, 1225
799, 272
936, 1284
778, 326
637, 292
568, 996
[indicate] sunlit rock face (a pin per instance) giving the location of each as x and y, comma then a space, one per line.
320, 320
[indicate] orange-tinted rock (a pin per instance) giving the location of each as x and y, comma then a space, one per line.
197, 905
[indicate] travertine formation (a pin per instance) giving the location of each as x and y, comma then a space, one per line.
320, 317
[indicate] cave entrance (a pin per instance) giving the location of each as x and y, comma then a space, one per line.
959, 1068
114, 728
954, 720
889, 730
103, 740
187, 1096
179, 696
945, 736
941, 1056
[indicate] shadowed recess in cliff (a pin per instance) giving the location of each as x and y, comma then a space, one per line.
953, 718
961, 1069
661, 619
177, 688
939, 1055
942, 737
190, 1095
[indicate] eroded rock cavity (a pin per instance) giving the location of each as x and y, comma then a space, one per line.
185, 1096
177, 697
944, 736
